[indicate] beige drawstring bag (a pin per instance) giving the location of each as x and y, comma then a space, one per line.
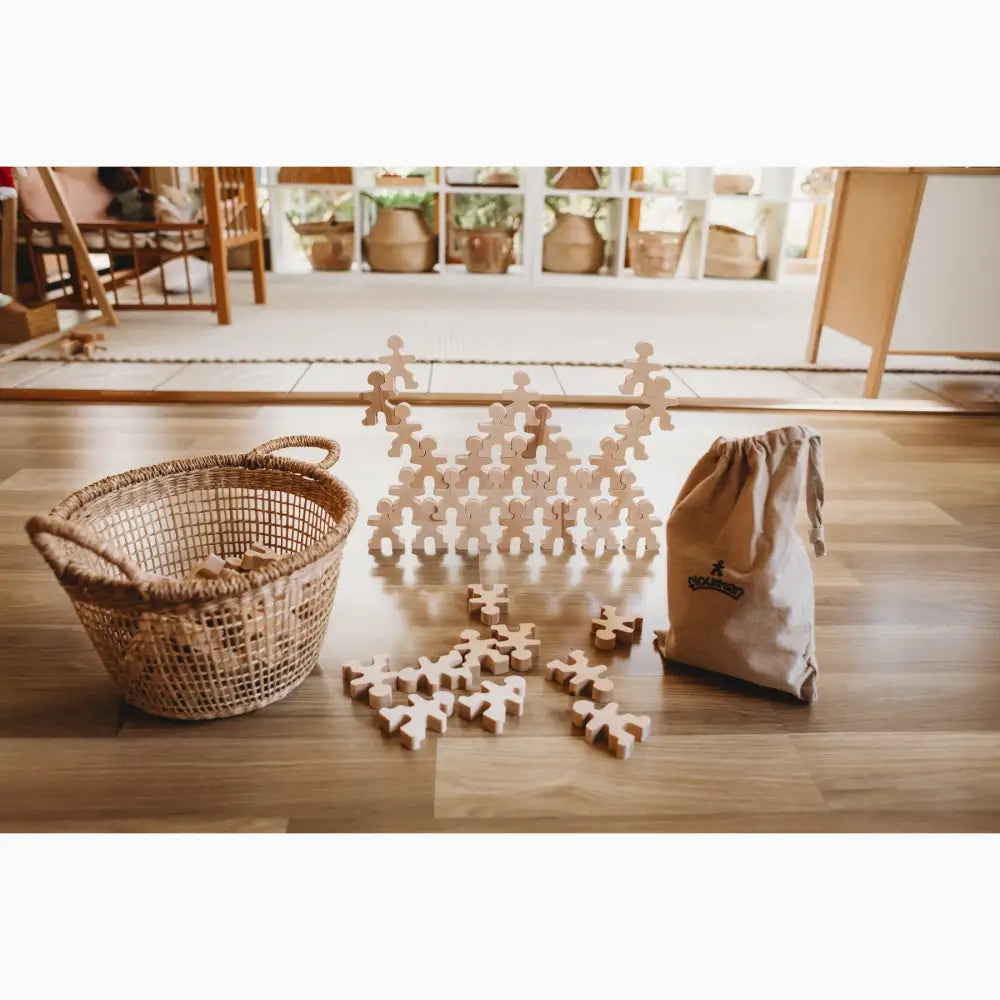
739, 581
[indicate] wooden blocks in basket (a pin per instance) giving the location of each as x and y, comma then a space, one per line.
214, 566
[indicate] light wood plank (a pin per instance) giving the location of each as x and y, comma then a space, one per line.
581, 380
850, 385
337, 377
104, 375
223, 377
719, 384
18, 372
493, 379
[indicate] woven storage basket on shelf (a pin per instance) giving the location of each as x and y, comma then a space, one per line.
331, 244
204, 649
655, 254
573, 245
487, 249
731, 253
400, 241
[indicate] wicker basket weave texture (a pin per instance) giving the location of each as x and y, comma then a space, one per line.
654, 253
732, 253
204, 649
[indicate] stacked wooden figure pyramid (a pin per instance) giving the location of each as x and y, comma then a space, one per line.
519, 468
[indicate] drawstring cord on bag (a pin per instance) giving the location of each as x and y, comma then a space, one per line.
815, 494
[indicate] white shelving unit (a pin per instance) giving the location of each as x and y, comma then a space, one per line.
766, 211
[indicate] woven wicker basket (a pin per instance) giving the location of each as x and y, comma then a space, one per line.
204, 649
573, 245
732, 254
487, 249
655, 254
331, 244
400, 241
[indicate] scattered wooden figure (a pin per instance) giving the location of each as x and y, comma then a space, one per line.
413, 720
581, 678
488, 602
374, 678
82, 344
493, 702
622, 729
258, 556
658, 404
398, 363
611, 629
447, 671
518, 643
378, 401
482, 652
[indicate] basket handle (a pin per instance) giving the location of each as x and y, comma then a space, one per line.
299, 441
43, 526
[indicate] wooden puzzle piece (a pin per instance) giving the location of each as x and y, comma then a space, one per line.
409, 491
624, 493
612, 628
622, 729
515, 522
559, 454
658, 403
378, 401
607, 464
473, 518
210, 568
447, 671
373, 678
452, 491
496, 429
481, 651
405, 432
558, 518
518, 643
424, 511
521, 398
385, 521
495, 489
580, 676
476, 460
493, 702
258, 556
82, 344
631, 432
642, 523
641, 370
413, 719
539, 427
398, 363
426, 460
602, 520
488, 602
516, 460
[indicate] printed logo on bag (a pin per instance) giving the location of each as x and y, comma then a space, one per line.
714, 581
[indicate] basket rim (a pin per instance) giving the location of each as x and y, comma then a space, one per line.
163, 592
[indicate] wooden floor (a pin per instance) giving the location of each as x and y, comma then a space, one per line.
691, 386
905, 736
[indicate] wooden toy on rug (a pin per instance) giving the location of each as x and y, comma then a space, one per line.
504, 470
378, 401
480, 651
374, 678
258, 556
447, 671
82, 344
493, 702
488, 602
398, 363
518, 643
581, 678
611, 629
412, 720
622, 729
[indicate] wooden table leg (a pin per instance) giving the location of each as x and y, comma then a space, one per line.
8, 251
73, 234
